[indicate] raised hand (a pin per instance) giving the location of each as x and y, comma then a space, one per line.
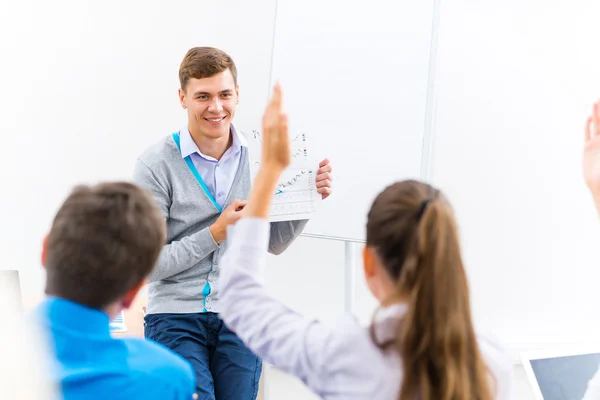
275, 141
275, 157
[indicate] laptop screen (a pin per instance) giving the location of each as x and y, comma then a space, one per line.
565, 377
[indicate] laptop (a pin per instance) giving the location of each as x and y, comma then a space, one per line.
562, 373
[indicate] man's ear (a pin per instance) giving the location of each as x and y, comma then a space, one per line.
44, 251
368, 262
181, 95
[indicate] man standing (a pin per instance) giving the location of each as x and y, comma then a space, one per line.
200, 177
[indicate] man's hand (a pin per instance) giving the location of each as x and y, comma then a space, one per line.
229, 216
324, 179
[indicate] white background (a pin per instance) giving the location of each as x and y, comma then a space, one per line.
87, 86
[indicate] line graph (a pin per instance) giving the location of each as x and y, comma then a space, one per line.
256, 135
299, 153
293, 180
296, 194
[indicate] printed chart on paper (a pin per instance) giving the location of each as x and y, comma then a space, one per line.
296, 194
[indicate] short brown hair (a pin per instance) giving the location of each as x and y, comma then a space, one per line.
104, 240
204, 62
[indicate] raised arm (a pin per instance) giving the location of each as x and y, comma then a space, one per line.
280, 336
277, 334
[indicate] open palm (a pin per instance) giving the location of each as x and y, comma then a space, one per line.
591, 154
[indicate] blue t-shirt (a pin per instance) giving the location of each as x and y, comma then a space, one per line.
91, 364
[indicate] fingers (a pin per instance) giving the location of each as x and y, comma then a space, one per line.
238, 204
283, 124
596, 120
324, 163
592, 125
596, 127
276, 97
275, 144
274, 117
324, 191
235, 217
324, 183
588, 128
322, 170
274, 105
324, 176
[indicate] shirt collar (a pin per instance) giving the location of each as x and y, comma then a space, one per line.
72, 316
385, 324
188, 146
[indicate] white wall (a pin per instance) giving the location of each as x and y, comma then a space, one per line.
342, 88
87, 86
515, 83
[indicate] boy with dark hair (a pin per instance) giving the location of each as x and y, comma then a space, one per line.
103, 243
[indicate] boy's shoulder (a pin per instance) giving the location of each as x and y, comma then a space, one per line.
155, 361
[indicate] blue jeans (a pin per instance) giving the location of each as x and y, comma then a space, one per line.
225, 368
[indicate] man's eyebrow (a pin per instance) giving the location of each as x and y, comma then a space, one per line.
206, 93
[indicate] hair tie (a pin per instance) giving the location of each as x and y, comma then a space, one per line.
422, 208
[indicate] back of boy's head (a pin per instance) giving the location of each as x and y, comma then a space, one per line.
105, 240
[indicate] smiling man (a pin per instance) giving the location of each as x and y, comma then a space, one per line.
200, 178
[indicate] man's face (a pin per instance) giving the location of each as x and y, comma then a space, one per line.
210, 104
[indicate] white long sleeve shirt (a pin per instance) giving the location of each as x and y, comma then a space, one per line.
339, 362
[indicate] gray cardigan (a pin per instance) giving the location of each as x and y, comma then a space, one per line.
185, 279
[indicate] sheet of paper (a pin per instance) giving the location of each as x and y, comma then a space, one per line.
118, 324
296, 194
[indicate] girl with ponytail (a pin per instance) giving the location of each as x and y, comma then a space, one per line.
421, 344
413, 258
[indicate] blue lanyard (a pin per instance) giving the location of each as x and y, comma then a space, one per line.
192, 167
